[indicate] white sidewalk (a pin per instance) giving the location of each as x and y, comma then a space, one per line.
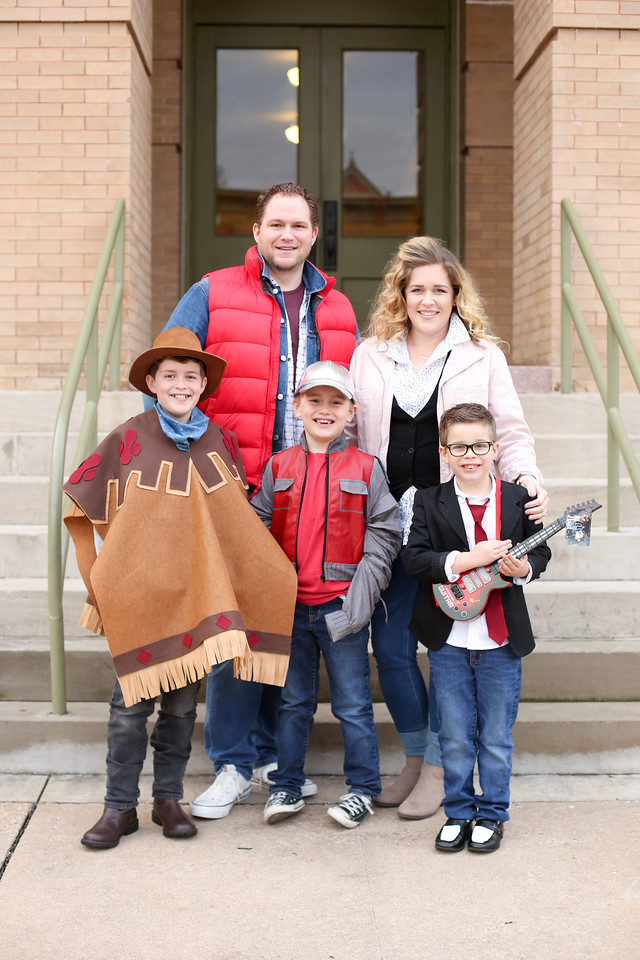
564, 885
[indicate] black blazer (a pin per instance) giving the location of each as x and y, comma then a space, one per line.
437, 529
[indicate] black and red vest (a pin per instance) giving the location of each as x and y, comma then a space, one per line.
347, 486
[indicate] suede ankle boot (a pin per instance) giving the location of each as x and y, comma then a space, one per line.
399, 790
427, 795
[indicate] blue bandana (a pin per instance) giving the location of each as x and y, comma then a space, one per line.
182, 434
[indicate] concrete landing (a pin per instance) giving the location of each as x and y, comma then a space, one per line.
564, 883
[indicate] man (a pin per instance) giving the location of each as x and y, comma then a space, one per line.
269, 319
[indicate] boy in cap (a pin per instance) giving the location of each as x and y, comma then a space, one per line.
185, 577
329, 507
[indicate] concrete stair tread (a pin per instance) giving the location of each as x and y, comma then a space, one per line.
80, 711
549, 737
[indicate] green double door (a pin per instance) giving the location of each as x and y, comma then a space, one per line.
361, 116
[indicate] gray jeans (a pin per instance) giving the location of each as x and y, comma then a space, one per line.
127, 745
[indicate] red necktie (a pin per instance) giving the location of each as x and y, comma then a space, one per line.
493, 611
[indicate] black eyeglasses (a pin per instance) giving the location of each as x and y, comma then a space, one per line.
480, 447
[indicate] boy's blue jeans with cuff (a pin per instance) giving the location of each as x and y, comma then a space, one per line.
127, 745
478, 696
347, 664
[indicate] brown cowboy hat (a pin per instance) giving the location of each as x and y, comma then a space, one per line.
177, 342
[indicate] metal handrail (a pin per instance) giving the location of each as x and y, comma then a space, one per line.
96, 365
617, 339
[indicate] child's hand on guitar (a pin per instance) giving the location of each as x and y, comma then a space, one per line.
510, 567
483, 554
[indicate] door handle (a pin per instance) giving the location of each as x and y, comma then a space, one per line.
330, 234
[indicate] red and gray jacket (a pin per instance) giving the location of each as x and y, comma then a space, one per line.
244, 328
362, 523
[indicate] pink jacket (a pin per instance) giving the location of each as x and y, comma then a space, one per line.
474, 373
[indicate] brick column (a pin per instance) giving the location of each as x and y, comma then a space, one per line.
487, 155
576, 135
75, 121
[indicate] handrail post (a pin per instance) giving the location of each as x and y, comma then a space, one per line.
618, 339
565, 278
94, 359
118, 282
613, 453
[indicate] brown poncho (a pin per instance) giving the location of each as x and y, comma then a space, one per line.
187, 575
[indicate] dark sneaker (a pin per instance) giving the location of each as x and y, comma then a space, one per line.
352, 809
281, 805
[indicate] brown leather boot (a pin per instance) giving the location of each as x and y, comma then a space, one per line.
112, 825
399, 790
171, 817
427, 795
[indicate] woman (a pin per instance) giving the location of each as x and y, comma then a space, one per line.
429, 347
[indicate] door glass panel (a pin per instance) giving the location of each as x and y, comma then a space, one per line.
256, 130
381, 136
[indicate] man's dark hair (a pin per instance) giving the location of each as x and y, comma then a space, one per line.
287, 190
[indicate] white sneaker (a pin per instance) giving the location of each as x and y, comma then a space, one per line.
260, 779
352, 810
228, 788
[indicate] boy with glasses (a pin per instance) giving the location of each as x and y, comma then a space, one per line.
472, 521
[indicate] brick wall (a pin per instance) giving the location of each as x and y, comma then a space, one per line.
487, 154
75, 81
167, 160
577, 134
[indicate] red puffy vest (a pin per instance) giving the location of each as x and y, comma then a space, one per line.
244, 328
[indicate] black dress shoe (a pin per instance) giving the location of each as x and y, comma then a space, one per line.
171, 817
452, 846
112, 825
491, 843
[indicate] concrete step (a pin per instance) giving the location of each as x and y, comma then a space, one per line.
575, 413
565, 491
590, 610
558, 609
557, 670
586, 456
25, 499
548, 738
24, 610
23, 550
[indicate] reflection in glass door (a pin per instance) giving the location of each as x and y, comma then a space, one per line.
381, 153
255, 145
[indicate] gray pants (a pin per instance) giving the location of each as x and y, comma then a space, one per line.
127, 745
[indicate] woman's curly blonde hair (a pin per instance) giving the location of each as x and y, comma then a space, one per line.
389, 320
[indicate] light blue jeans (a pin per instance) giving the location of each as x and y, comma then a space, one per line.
240, 721
478, 696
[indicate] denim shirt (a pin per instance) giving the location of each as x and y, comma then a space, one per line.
192, 312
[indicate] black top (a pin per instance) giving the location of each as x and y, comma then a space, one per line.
412, 458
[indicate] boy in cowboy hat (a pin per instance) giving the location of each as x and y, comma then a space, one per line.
186, 576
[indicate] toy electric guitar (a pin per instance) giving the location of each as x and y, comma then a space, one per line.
468, 596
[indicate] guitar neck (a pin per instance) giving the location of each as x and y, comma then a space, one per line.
537, 538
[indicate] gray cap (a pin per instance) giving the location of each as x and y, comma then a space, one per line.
326, 373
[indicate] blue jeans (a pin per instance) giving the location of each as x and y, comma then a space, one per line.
127, 745
347, 663
240, 721
478, 695
396, 652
